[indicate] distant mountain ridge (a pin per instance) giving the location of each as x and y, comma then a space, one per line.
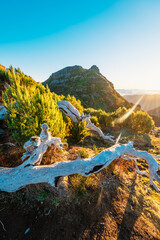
124, 92
148, 102
89, 85
155, 113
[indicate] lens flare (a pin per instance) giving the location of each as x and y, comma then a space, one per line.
117, 140
126, 115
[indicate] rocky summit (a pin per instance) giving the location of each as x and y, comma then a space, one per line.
89, 85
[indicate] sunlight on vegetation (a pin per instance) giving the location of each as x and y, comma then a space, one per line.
29, 104
137, 121
83, 153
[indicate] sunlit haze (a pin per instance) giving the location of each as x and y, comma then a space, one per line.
127, 114
121, 37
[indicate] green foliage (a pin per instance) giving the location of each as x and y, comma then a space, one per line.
142, 141
83, 153
102, 117
78, 184
77, 131
30, 104
94, 120
55, 202
139, 121
142, 122
4, 75
95, 149
25, 80
29, 107
42, 196
83, 186
74, 131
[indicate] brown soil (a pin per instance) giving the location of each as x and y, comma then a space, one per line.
10, 156
106, 212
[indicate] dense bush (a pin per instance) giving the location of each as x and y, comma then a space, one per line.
29, 107
138, 121
4, 76
83, 153
30, 104
94, 120
142, 141
77, 132
142, 122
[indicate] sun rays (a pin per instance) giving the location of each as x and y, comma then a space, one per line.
127, 114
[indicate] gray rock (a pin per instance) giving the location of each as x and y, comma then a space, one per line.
58, 81
65, 72
94, 68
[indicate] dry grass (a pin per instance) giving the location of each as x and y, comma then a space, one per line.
117, 198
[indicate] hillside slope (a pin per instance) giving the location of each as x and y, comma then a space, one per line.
155, 113
90, 86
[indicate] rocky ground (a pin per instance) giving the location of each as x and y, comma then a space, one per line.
113, 204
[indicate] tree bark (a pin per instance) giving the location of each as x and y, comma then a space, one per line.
13, 179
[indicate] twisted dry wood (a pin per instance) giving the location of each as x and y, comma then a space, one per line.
30, 172
69, 110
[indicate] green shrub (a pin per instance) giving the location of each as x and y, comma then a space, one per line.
95, 149
141, 122
28, 108
55, 202
84, 186
83, 153
42, 196
78, 184
94, 120
142, 141
77, 131
138, 121
4, 76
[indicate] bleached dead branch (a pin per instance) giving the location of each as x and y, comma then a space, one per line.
30, 172
69, 110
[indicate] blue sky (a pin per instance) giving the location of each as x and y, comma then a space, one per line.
122, 37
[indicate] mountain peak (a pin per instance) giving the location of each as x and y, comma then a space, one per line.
65, 72
94, 68
94, 90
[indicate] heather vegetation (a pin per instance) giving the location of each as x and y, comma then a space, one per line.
29, 104
114, 195
139, 121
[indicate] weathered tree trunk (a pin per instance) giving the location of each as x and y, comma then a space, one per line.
69, 110
30, 172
